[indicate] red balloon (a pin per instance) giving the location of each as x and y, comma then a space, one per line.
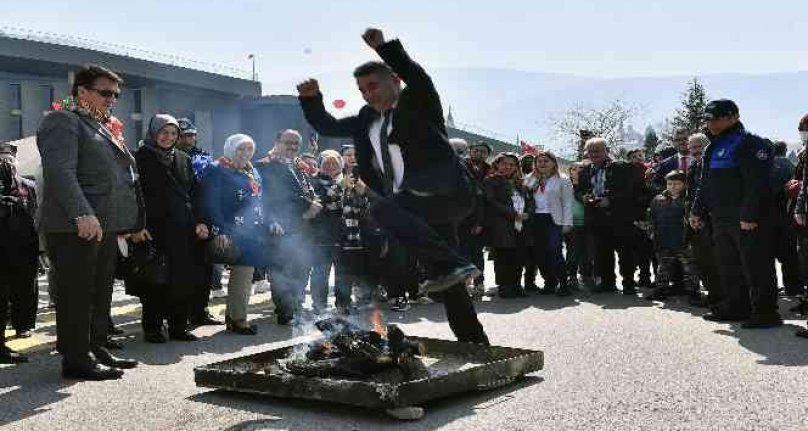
339, 103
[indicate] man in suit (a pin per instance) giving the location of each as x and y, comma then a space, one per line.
419, 190
679, 161
90, 198
612, 193
289, 202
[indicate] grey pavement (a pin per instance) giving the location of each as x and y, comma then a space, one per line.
611, 362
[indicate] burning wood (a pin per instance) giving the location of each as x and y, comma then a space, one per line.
350, 351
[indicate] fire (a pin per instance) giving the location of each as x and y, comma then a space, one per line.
377, 322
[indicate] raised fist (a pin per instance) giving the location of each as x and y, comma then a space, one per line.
373, 37
308, 88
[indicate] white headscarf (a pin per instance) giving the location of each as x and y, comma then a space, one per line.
233, 142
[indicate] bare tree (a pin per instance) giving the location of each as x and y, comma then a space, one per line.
582, 122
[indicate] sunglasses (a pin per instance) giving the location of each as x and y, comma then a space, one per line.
107, 93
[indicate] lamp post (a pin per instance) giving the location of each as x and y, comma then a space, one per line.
252, 57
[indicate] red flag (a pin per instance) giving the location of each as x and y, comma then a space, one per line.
527, 148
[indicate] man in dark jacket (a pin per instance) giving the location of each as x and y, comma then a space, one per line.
784, 238
471, 234
19, 250
420, 192
289, 201
200, 161
90, 198
701, 240
679, 161
612, 192
734, 191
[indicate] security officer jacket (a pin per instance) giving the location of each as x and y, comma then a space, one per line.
734, 182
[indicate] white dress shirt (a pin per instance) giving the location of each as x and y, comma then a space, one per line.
395, 151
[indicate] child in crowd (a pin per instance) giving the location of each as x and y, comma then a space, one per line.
668, 213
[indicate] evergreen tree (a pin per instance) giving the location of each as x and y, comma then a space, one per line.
650, 141
690, 116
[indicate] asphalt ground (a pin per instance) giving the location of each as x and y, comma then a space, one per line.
611, 362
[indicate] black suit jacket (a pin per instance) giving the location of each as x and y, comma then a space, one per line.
430, 165
86, 173
287, 194
625, 188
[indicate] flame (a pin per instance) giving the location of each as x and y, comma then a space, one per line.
377, 322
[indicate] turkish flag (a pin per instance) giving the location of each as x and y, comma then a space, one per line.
527, 148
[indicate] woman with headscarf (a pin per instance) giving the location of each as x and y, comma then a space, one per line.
507, 210
551, 218
232, 209
327, 233
167, 184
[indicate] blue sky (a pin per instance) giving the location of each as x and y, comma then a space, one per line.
615, 38
293, 40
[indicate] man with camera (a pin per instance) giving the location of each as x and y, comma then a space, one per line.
612, 193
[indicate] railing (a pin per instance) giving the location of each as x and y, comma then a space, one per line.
485, 132
126, 51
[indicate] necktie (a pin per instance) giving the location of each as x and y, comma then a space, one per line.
683, 163
387, 164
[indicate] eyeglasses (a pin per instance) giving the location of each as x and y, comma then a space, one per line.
107, 93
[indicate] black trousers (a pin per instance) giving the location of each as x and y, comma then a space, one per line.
746, 268
508, 267
785, 250
701, 241
84, 273
158, 308
472, 248
289, 269
21, 297
198, 304
427, 228
579, 247
609, 239
644, 256
401, 278
529, 263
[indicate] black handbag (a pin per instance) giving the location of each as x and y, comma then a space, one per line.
146, 264
229, 255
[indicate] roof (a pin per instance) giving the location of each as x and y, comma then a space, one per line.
49, 54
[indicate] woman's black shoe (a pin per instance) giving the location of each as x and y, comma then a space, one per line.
115, 331
512, 292
250, 329
154, 337
182, 336
8, 356
98, 372
563, 291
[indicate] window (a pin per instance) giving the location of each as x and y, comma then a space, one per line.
16, 95
47, 96
137, 96
138, 131
16, 110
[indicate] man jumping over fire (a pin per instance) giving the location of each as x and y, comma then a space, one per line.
419, 191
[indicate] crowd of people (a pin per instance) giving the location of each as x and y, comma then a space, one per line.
705, 218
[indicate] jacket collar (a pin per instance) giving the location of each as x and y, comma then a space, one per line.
735, 128
103, 131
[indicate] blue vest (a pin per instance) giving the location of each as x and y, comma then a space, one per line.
724, 151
